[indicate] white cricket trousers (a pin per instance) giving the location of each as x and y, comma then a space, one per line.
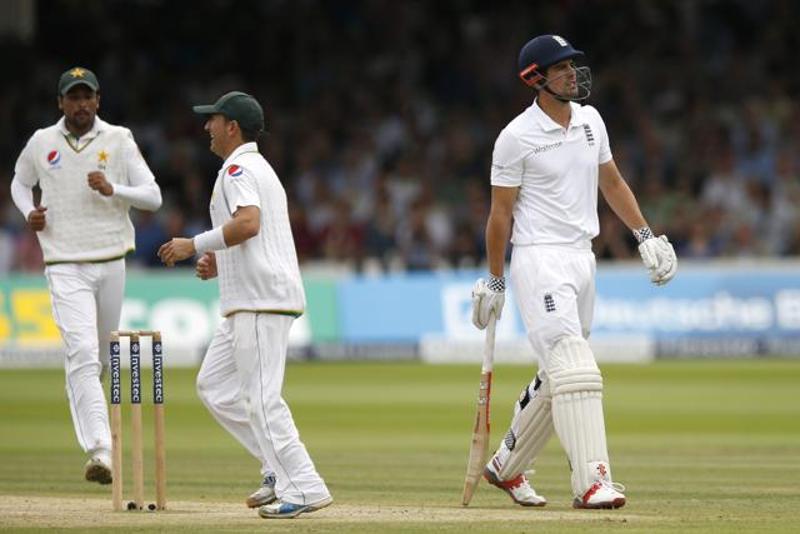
87, 300
240, 382
554, 287
555, 291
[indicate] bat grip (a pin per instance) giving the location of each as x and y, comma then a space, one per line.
488, 349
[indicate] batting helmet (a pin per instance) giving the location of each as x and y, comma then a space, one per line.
544, 51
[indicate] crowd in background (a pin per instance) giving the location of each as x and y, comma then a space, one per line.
382, 115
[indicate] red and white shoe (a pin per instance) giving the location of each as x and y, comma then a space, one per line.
601, 494
518, 488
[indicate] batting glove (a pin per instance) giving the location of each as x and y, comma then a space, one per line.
658, 256
487, 297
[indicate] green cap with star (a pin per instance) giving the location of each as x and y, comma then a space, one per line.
77, 76
236, 106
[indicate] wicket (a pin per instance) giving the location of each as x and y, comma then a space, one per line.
136, 419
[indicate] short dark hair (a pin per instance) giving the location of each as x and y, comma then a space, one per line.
250, 135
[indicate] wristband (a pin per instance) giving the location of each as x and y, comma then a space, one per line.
496, 284
643, 234
210, 240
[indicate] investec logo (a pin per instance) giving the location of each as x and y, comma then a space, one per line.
135, 379
136, 376
158, 386
158, 374
115, 374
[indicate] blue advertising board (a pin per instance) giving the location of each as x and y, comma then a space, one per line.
730, 310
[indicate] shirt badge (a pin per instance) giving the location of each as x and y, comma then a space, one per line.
587, 131
102, 159
53, 158
235, 171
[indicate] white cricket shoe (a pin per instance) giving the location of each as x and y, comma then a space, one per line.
601, 494
263, 495
518, 488
288, 510
98, 468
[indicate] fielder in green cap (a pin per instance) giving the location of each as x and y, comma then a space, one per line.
251, 250
90, 174
78, 99
77, 76
240, 107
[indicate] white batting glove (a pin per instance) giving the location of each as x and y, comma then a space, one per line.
658, 256
487, 297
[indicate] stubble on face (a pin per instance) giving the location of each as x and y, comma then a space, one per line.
79, 106
562, 78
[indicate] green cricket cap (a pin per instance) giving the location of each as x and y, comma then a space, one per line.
77, 76
236, 106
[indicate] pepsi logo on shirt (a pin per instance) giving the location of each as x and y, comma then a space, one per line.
53, 158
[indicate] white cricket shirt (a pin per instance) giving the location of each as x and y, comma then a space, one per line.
81, 224
262, 273
556, 170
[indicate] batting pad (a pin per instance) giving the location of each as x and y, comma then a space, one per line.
531, 428
577, 389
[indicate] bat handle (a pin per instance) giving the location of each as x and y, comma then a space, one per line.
488, 349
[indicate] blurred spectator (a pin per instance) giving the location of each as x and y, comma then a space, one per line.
304, 240
699, 243
341, 240
150, 234
29, 257
614, 241
7, 246
384, 115
416, 246
379, 238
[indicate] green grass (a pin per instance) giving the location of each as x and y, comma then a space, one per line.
702, 446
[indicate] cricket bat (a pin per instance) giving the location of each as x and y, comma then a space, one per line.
480, 434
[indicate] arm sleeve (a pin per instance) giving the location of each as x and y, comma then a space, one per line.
24, 180
23, 196
142, 191
240, 188
507, 161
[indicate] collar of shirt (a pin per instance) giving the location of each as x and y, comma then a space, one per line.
241, 149
98, 126
549, 125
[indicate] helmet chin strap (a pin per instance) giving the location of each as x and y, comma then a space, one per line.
561, 98
564, 98
583, 82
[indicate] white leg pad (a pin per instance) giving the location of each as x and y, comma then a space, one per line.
577, 389
531, 428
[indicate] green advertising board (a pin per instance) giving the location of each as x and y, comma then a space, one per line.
184, 308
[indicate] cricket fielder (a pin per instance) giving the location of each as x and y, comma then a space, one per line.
547, 166
90, 174
252, 252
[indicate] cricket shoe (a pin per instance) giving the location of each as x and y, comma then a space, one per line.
263, 495
601, 494
288, 510
98, 470
518, 488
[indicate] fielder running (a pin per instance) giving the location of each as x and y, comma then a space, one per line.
252, 251
547, 166
90, 173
